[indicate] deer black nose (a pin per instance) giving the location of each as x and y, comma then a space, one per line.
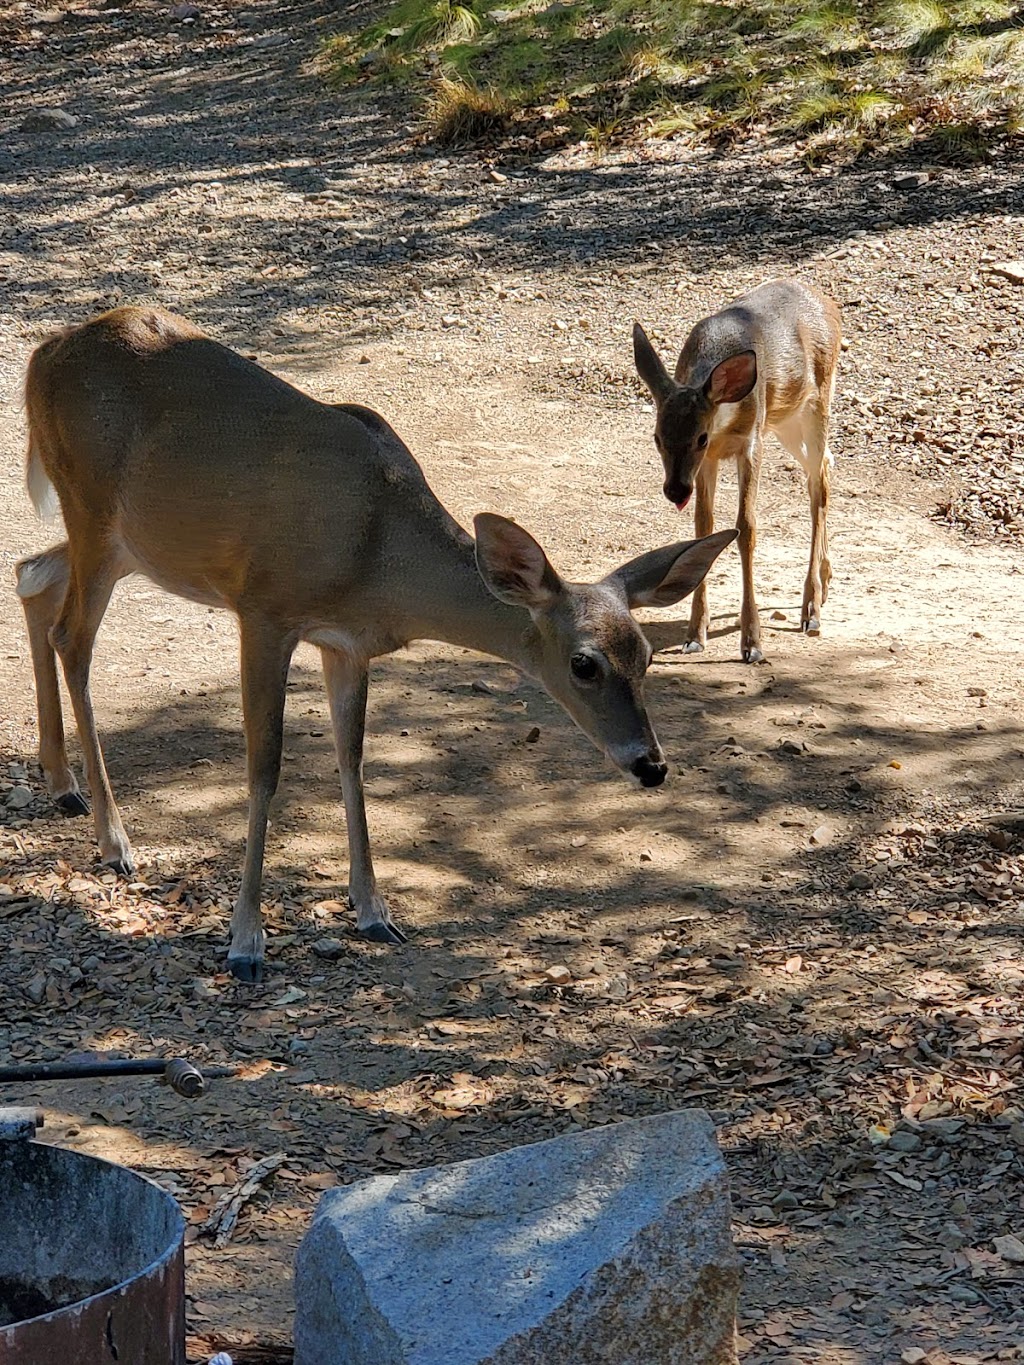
678, 492
651, 774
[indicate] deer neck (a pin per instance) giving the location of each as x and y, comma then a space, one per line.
448, 600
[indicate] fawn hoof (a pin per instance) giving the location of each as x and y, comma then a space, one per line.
123, 866
693, 647
812, 626
247, 969
72, 803
382, 933
752, 655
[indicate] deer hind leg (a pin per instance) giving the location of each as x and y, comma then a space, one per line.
816, 458
347, 682
91, 580
266, 654
746, 521
42, 583
703, 525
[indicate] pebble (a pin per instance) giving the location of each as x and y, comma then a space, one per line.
330, 949
19, 797
48, 121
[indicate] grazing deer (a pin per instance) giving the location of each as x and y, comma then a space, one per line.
174, 457
765, 363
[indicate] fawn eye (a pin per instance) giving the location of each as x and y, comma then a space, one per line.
702, 440
584, 667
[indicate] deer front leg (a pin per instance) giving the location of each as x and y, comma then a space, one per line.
266, 653
42, 585
93, 573
347, 682
703, 524
746, 522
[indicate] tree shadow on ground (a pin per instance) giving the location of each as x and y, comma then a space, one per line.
206, 125
787, 1008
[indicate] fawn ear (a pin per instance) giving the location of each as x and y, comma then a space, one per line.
661, 577
732, 379
512, 564
649, 367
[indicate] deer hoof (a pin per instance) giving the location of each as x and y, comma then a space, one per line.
753, 655
693, 647
123, 866
383, 933
812, 626
247, 969
72, 803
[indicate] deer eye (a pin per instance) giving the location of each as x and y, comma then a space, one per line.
702, 440
584, 667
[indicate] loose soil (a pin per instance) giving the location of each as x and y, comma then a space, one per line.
813, 930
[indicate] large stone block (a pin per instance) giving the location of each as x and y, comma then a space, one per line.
606, 1247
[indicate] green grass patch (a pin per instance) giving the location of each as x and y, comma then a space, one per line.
838, 78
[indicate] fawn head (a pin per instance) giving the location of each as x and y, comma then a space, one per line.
582, 643
685, 416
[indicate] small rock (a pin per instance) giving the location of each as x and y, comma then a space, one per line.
533, 734
785, 1200
496, 176
480, 685
646, 856
1000, 839
778, 616
558, 975
502, 16
19, 797
910, 180
951, 1237
963, 1293
364, 359
270, 40
913, 1355
790, 746
579, 840
1009, 1248
330, 949
824, 834
858, 881
902, 1141
185, 11
1009, 270
36, 988
976, 692
48, 121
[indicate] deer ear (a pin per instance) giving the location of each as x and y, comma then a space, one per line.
732, 379
649, 367
512, 564
663, 577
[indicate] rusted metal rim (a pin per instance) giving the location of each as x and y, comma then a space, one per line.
102, 1243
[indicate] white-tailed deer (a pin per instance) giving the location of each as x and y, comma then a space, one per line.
176, 458
765, 363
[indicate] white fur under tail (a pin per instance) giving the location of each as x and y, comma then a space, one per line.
39, 573
40, 489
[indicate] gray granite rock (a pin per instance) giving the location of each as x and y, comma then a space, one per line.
609, 1246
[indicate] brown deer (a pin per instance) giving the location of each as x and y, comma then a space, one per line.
174, 457
765, 363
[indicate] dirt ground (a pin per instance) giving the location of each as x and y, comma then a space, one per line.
813, 929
